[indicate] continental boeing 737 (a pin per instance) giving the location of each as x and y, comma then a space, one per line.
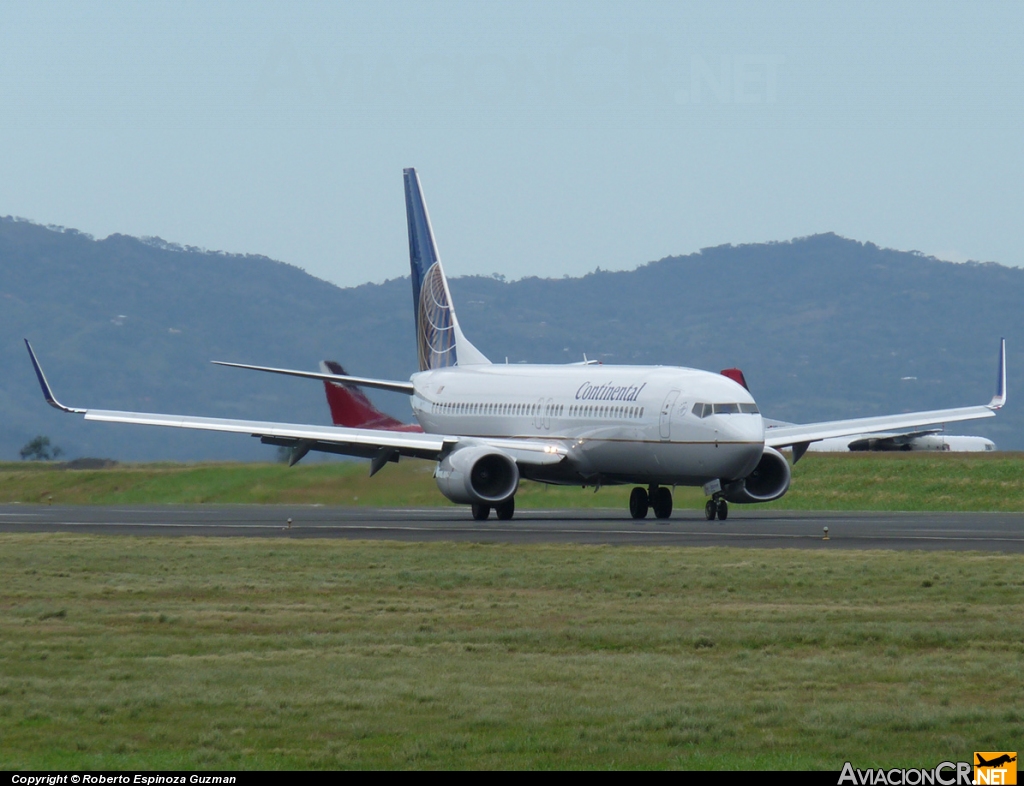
351, 407
488, 425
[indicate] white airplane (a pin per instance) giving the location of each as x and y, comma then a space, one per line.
929, 440
488, 425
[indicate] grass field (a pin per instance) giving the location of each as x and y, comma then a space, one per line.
119, 652
894, 481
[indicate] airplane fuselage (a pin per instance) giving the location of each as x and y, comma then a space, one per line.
620, 424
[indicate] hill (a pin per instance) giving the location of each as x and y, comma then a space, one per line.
823, 327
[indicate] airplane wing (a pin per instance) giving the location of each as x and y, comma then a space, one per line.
382, 384
784, 436
381, 446
800, 435
770, 424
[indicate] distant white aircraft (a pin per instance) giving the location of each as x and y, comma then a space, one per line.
488, 425
930, 439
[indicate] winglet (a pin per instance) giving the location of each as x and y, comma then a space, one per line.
47, 392
999, 399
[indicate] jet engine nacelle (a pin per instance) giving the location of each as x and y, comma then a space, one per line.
480, 475
768, 481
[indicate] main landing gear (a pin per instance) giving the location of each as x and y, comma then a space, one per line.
716, 506
659, 498
503, 510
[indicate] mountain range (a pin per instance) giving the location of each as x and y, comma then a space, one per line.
823, 327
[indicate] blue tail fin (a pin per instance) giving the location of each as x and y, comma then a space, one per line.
439, 340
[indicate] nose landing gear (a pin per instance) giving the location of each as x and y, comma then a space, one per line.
506, 510
503, 510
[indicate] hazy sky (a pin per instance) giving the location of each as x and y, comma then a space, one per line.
550, 137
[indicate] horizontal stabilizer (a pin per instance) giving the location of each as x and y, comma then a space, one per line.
380, 384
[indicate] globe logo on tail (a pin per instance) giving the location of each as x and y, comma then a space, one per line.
434, 323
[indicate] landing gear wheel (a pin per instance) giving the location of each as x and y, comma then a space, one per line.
481, 512
723, 510
661, 501
638, 503
505, 510
710, 510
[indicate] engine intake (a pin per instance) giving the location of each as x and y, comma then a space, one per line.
477, 475
768, 481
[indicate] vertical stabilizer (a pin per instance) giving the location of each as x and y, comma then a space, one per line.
439, 341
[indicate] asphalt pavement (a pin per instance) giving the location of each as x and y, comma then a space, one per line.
746, 527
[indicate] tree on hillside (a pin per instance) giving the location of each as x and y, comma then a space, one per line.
39, 449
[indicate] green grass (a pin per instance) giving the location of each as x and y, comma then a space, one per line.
136, 653
895, 481
908, 481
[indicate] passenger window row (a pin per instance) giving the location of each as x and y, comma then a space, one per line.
601, 411
468, 408
530, 410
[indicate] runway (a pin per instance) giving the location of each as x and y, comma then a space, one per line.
1001, 532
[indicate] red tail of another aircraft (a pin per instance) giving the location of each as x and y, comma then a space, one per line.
350, 406
735, 375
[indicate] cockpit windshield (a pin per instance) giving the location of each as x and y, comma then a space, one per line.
702, 410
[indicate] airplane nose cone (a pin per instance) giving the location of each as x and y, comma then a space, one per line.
757, 429
745, 433
743, 428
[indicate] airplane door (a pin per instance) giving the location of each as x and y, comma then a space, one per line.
665, 424
681, 408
